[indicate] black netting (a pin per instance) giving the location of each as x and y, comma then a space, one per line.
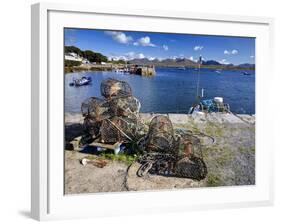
160, 137
191, 167
171, 154
92, 126
112, 88
118, 129
96, 108
125, 106
189, 140
115, 118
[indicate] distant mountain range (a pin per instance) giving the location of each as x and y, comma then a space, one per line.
177, 62
247, 65
166, 62
184, 62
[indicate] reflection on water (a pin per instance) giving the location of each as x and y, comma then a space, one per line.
171, 89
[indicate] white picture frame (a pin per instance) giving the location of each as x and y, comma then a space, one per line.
48, 201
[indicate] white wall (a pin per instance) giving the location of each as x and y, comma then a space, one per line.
15, 110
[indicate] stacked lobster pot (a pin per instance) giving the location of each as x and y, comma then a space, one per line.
169, 154
115, 118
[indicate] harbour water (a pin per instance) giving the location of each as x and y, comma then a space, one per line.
171, 90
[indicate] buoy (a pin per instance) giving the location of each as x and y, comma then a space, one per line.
218, 99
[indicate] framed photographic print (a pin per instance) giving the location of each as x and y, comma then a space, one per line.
165, 111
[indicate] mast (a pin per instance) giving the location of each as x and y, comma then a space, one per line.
198, 79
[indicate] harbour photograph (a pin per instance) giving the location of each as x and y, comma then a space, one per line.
157, 111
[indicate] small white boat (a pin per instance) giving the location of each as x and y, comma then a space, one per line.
119, 70
218, 71
246, 73
81, 82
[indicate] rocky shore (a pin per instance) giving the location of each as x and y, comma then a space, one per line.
230, 159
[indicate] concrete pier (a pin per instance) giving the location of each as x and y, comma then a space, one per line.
230, 159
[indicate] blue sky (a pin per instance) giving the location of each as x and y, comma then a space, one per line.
128, 45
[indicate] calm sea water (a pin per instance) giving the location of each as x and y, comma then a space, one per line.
171, 89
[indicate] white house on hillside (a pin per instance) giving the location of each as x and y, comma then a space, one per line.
75, 57
72, 57
85, 61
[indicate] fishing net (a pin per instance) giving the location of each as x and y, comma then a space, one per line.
112, 88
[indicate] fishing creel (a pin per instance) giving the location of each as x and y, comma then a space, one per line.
112, 88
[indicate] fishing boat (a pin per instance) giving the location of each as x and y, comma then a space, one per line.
246, 73
81, 82
218, 71
122, 70
207, 105
119, 70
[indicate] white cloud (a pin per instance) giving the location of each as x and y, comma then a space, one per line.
224, 62
140, 56
145, 42
151, 58
117, 58
252, 56
119, 37
130, 55
226, 52
198, 48
165, 47
127, 56
191, 58
234, 51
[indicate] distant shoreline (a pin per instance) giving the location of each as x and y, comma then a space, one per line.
112, 67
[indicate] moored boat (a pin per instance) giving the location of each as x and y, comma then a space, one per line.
210, 106
81, 82
218, 71
207, 105
246, 73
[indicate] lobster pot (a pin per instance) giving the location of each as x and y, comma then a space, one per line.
91, 126
111, 88
125, 107
188, 138
161, 124
95, 108
192, 167
117, 129
160, 136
